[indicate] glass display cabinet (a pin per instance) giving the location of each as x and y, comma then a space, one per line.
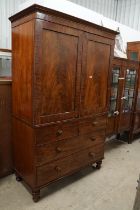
123, 86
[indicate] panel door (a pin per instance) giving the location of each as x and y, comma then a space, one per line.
127, 98
57, 79
95, 72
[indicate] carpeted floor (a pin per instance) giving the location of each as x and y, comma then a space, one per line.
113, 187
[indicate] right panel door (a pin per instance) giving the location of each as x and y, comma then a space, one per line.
95, 72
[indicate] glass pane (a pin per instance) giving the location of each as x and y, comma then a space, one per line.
113, 106
114, 90
129, 89
134, 56
125, 105
5, 64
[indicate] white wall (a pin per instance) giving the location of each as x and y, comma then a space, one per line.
7, 8
127, 13
124, 11
105, 7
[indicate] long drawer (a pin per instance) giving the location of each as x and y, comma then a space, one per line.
60, 149
92, 124
56, 132
57, 169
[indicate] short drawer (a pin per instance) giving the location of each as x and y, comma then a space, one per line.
89, 125
56, 132
57, 169
60, 149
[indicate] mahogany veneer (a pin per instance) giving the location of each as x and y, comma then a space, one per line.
5, 128
61, 68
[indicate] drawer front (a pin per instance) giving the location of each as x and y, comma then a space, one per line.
60, 149
56, 132
70, 164
92, 124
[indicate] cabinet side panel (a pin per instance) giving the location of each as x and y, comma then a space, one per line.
5, 130
22, 65
23, 138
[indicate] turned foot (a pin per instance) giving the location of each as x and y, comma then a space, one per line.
118, 136
36, 195
18, 178
98, 164
130, 139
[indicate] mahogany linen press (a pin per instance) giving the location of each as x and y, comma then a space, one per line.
61, 80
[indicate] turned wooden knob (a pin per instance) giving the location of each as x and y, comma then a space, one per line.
58, 149
92, 138
94, 123
59, 132
92, 154
57, 168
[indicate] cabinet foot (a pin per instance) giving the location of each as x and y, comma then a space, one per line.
130, 138
36, 195
118, 136
18, 178
98, 164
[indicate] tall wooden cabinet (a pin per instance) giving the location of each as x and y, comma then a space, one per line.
5, 113
5, 128
61, 68
133, 50
123, 95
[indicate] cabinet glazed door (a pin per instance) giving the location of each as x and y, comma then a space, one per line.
127, 98
95, 72
58, 72
113, 113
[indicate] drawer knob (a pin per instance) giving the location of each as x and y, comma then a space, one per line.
92, 138
59, 132
58, 149
91, 154
57, 168
94, 123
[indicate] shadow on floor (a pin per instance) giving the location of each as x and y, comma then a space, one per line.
113, 144
60, 184
63, 182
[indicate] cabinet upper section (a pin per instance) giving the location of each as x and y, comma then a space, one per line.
60, 66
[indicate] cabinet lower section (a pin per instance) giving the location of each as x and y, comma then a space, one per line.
57, 169
47, 160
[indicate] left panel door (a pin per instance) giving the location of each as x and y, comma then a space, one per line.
56, 73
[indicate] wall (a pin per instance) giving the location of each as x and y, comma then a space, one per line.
105, 7
123, 11
7, 8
